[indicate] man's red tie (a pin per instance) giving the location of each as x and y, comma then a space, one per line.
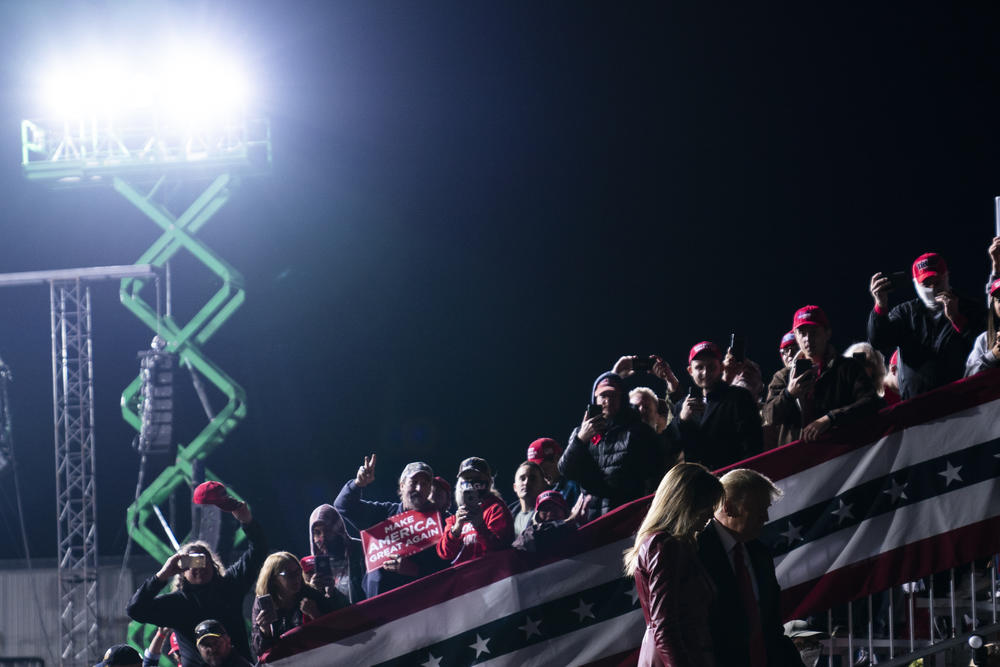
758, 654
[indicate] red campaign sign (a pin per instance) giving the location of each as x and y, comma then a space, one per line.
401, 535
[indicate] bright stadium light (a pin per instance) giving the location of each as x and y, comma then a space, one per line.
186, 84
202, 84
72, 91
174, 104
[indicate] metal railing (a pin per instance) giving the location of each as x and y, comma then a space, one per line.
916, 620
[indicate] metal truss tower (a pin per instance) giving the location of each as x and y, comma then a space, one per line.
76, 494
138, 159
73, 425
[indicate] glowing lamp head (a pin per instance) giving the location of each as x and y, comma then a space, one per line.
202, 84
188, 85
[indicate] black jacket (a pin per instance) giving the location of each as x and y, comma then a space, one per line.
624, 463
727, 621
931, 352
729, 429
843, 391
221, 599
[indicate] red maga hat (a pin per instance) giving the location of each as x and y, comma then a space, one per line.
704, 347
553, 497
788, 340
810, 315
927, 265
214, 493
542, 449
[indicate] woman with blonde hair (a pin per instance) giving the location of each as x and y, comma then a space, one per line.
873, 362
284, 599
674, 589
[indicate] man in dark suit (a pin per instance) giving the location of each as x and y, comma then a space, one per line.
744, 619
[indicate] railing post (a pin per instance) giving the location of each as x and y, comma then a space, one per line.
892, 626
993, 587
972, 595
871, 632
930, 609
850, 631
910, 602
951, 599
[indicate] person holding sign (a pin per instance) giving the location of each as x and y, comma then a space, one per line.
415, 488
482, 523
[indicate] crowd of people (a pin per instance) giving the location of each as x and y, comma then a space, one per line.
705, 583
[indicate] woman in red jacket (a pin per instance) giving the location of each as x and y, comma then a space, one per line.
674, 589
482, 523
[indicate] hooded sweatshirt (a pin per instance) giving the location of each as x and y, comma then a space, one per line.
346, 557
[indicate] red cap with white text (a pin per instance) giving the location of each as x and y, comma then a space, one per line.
810, 315
927, 265
542, 449
704, 347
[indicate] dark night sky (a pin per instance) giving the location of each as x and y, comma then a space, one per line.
477, 207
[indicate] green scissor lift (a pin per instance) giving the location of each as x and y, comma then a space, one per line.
137, 161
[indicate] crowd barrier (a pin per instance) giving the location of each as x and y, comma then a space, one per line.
867, 510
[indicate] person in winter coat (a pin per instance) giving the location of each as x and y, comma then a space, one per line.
612, 454
821, 389
719, 423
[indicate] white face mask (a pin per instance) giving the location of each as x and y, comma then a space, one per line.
810, 656
927, 294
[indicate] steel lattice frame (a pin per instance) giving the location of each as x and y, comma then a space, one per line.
73, 426
76, 498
